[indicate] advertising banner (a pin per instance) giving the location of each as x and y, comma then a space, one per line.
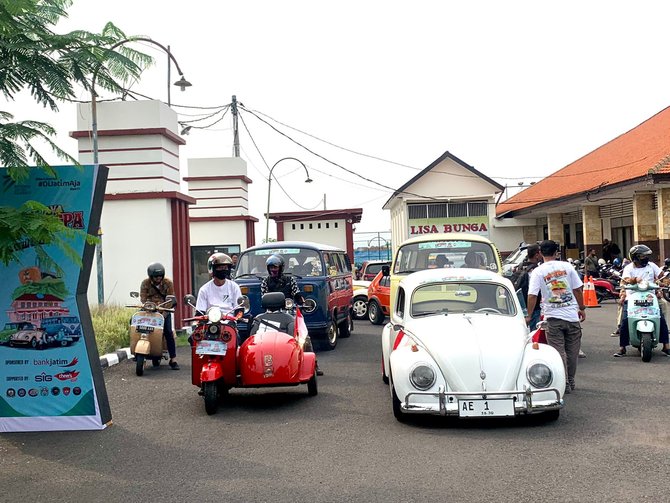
50, 374
472, 225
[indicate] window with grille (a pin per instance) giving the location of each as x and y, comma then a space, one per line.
417, 211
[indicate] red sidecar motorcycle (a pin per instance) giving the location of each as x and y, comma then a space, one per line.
268, 357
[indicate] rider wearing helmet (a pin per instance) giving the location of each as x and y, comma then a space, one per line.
277, 281
220, 291
640, 268
155, 288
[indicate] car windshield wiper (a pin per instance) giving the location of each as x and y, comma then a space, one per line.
248, 274
407, 271
444, 311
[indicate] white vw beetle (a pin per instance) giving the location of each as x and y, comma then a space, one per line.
458, 345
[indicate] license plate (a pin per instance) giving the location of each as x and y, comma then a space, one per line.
486, 408
211, 348
145, 329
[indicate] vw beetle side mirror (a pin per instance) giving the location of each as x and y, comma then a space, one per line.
398, 327
386, 270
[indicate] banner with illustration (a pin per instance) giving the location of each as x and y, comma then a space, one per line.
50, 374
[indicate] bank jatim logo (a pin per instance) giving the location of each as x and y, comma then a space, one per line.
70, 375
74, 361
73, 219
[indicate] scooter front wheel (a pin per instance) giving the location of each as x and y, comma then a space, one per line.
211, 395
646, 347
139, 365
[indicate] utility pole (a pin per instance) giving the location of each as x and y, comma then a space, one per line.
324, 202
236, 133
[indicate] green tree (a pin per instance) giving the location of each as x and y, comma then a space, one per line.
52, 67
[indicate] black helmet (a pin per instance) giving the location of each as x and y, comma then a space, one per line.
638, 252
218, 259
276, 261
155, 269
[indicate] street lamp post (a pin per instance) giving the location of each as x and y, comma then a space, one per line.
181, 83
267, 214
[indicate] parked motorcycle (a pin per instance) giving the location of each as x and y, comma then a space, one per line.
266, 358
146, 332
644, 317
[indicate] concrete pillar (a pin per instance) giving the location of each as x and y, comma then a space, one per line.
555, 227
645, 222
530, 234
663, 214
592, 229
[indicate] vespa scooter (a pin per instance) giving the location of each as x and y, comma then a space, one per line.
268, 358
644, 317
146, 332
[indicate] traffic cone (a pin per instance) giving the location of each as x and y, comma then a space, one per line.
590, 299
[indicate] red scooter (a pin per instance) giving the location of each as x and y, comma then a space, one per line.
266, 358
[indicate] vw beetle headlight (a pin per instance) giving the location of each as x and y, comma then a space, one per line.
422, 376
214, 314
539, 375
643, 285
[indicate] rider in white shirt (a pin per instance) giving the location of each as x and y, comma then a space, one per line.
220, 291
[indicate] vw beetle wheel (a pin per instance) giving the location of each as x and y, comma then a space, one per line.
211, 393
375, 313
397, 411
360, 307
139, 365
385, 378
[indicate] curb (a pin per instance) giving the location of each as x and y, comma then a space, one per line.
113, 358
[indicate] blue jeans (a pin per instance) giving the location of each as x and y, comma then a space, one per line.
534, 319
624, 335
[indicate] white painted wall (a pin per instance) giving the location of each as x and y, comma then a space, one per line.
135, 233
334, 236
219, 233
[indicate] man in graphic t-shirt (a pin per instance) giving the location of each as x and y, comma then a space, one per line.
562, 305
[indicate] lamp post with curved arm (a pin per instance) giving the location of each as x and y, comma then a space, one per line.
379, 240
267, 214
181, 83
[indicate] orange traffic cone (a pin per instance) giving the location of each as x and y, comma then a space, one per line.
590, 299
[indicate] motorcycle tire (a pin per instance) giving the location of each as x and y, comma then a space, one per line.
312, 389
139, 365
646, 347
211, 396
601, 294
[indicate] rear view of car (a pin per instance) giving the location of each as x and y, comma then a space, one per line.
379, 293
370, 269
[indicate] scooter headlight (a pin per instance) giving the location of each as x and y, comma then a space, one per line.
422, 376
214, 314
539, 375
643, 285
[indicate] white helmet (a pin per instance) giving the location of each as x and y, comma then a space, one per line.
601, 261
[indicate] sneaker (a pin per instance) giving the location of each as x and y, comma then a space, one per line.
319, 372
620, 353
568, 390
572, 385
666, 352
615, 334
582, 354
174, 365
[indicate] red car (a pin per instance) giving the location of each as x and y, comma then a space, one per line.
379, 298
370, 268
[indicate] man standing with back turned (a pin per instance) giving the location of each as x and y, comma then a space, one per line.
562, 304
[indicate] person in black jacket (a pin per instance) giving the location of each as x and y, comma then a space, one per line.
533, 259
277, 281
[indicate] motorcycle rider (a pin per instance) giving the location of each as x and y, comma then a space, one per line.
220, 291
640, 268
155, 288
277, 281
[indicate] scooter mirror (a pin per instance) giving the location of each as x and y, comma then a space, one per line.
134, 295
171, 300
189, 300
243, 302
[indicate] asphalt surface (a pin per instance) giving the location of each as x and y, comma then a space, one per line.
611, 442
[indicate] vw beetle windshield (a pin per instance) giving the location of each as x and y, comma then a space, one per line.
297, 261
437, 254
465, 297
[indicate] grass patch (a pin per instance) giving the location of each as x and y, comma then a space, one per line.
112, 331
111, 327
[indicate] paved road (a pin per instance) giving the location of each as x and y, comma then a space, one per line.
611, 442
